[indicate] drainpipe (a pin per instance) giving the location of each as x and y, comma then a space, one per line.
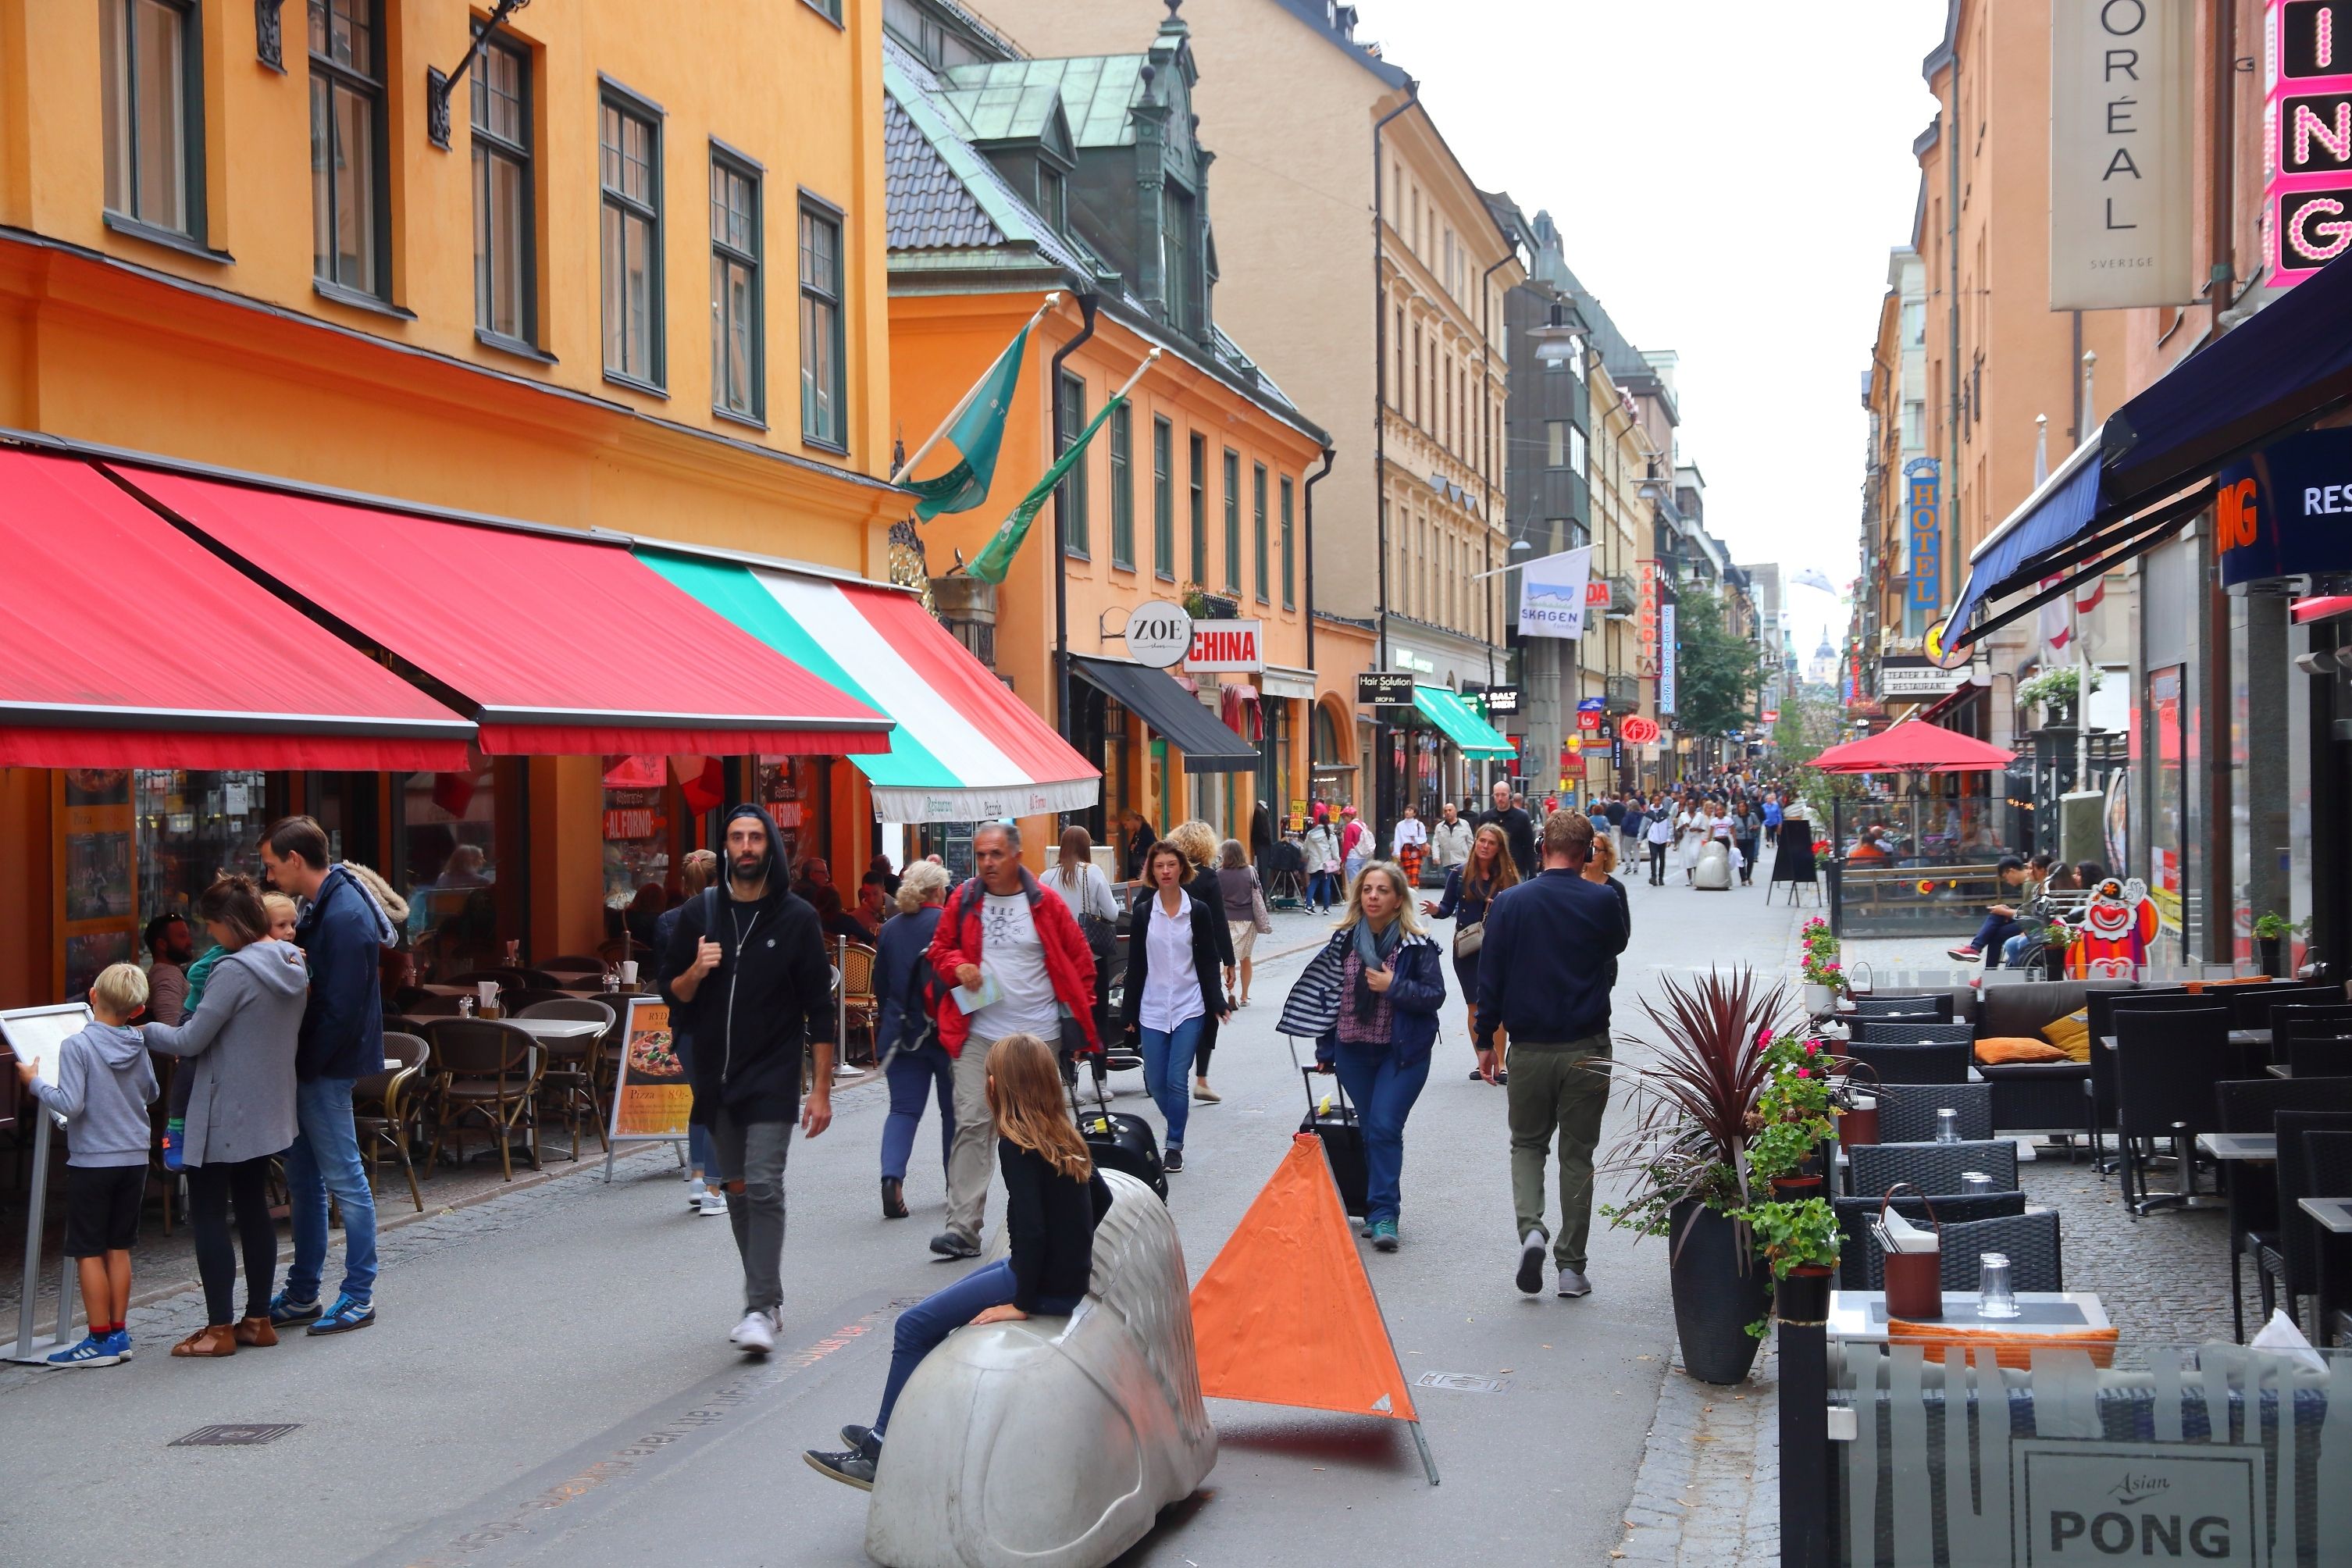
1486, 436
1087, 304
1380, 423
1313, 480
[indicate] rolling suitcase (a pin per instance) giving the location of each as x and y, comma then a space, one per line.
1343, 1144
1119, 1141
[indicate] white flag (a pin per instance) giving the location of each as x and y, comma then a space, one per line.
1553, 594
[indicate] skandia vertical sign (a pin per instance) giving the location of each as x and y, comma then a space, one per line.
1645, 616
2308, 137
1922, 513
2121, 94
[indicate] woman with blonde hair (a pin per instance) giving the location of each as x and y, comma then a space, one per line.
907, 1033
1198, 843
1375, 991
1053, 1200
1471, 890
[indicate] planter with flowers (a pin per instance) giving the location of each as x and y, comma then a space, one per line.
1823, 976
2272, 932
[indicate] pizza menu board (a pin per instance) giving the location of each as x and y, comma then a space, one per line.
653, 1098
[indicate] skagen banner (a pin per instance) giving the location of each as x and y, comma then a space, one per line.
1553, 594
2122, 90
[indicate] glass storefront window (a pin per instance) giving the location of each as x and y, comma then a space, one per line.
193, 826
636, 827
791, 789
449, 863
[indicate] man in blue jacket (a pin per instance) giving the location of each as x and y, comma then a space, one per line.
1544, 973
343, 930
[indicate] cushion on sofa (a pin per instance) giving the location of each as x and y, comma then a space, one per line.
2019, 1012
2000, 1052
2070, 1036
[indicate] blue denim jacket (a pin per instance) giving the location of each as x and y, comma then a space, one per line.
1415, 996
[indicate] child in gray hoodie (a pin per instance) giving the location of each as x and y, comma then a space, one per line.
101, 1084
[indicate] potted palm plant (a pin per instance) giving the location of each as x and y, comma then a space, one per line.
1688, 1153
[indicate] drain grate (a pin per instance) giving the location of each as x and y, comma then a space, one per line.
1458, 1382
234, 1435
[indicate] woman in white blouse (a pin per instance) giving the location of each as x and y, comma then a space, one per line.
1082, 885
1173, 984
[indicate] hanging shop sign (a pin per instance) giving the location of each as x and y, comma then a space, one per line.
2288, 509
1380, 690
1645, 615
1222, 645
1637, 730
1496, 699
1587, 721
1666, 647
1923, 513
2122, 96
1915, 678
1159, 634
2308, 137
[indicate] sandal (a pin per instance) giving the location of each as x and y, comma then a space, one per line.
259, 1332
213, 1340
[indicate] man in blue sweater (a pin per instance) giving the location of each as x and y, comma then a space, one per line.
1544, 971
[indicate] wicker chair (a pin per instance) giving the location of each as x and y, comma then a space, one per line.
2099, 1089
1911, 1032
1932, 1009
2252, 1105
567, 1084
855, 961
2030, 1242
1906, 1111
2166, 1064
387, 1105
2290, 1267
1930, 1167
489, 1070
1914, 1064
2315, 1051
1862, 1266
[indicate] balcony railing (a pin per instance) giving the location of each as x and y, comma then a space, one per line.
1623, 693
1622, 598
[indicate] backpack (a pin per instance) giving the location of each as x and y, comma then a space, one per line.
918, 1005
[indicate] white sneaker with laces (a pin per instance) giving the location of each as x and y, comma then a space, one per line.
695, 1188
756, 1333
712, 1202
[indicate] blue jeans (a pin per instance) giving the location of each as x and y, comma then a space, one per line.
1167, 1064
701, 1154
325, 1159
2012, 950
916, 1076
1384, 1092
923, 1326
1323, 888
1996, 930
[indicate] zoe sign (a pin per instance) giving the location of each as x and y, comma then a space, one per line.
2307, 136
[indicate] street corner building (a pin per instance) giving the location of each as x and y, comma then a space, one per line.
470, 429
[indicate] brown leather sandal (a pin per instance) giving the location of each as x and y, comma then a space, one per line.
214, 1340
255, 1331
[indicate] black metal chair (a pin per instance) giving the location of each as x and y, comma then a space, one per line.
508, 979
2316, 1050
2030, 1242
2250, 1005
2250, 1105
567, 1084
2099, 1089
1862, 1266
1914, 1064
1911, 1032
2328, 1158
2166, 1064
1906, 1111
1874, 1168
1933, 1009
2290, 1267
488, 1068
387, 1106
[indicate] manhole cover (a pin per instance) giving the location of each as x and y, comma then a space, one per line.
234, 1434
1458, 1382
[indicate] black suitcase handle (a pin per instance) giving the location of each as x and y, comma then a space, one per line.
1308, 1075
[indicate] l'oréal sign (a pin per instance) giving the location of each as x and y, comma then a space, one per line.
2122, 99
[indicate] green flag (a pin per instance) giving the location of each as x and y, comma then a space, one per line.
994, 561
977, 432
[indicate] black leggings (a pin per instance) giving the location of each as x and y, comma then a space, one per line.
210, 1187
1657, 862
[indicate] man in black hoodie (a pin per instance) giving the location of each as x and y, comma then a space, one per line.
746, 971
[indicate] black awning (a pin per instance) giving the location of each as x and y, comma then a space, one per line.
1153, 696
2286, 365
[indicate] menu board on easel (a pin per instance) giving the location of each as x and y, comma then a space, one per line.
652, 1097
97, 882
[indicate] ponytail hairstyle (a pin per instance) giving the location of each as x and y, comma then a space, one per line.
1024, 1093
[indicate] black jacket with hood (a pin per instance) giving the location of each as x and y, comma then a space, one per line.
770, 994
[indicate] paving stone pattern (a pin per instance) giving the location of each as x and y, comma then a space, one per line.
1709, 1492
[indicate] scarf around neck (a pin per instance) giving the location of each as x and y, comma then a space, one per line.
1373, 950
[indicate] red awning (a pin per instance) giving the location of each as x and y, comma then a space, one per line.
127, 644
564, 644
1914, 747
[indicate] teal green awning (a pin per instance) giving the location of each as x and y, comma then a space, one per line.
1471, 734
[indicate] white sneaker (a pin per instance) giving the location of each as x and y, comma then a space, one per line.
756, 1333
695, 1188
712, 1202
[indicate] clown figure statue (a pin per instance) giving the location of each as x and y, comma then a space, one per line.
2115, 928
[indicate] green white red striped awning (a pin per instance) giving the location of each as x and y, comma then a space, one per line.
965, 748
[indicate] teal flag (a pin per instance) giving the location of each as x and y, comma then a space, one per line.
994, 561
976, 433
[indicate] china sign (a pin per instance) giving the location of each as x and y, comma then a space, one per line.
1923, 527
2308, 137
2122, 93
1227, 646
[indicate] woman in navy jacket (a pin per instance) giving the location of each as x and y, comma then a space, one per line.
1391, 985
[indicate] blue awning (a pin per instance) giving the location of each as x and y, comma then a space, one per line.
2060, 509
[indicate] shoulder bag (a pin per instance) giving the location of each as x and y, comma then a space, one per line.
1261, 917
1469, 938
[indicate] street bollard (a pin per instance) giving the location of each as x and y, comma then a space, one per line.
1801, 1302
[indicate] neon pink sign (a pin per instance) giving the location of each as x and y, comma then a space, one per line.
2308, 137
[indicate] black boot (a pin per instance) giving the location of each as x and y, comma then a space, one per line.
894, 1198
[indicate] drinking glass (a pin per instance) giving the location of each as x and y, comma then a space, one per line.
1996, 1297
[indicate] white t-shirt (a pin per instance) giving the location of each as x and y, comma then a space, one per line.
1409, 830
1172, 991
1012, 955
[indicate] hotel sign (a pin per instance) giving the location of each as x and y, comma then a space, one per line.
2122, 96
2307, 136
1923, 527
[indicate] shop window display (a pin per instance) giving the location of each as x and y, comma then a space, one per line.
449, 862
636, 827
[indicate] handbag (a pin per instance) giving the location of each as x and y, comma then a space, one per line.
1468, 939
1261, 917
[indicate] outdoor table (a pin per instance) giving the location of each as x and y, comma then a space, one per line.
2333, 1218
2237, 1037
2230, 1147
2231, 1150
1861, 1315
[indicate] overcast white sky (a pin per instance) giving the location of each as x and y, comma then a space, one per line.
1728, 178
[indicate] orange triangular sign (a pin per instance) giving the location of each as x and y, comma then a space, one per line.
1286, 1315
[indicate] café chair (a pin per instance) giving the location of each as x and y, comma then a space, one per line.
1911, 1032
2029, 1241
1862, 1266
568, 1082
387, 1106
1906, 1111
573, 963
521, 1002
2289, 1267
2099, 1005
1874, 1168
1915, 1063
2166, 1064
489, 1070
507, 979
2250, 1005
1932, 1009
860, 1005
2316, 1050
2328, 1157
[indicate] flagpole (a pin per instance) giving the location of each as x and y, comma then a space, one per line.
903, 469
1129, 385
2075, 623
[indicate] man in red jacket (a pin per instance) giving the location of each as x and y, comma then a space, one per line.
1017, 958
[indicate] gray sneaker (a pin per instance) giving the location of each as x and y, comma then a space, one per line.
954, 1244
1572, 1284
1531, 1262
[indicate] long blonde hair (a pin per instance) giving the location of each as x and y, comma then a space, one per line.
1198, 841
1024, 1094
1407, 913
1506, 870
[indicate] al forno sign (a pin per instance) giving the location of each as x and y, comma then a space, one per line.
2307, 136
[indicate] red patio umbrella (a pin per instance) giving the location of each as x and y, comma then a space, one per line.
1915, 748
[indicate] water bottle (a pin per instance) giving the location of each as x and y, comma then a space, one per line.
1996, 1298
1947, 1126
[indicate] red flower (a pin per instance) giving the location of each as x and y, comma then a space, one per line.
1812, 1049
1804, 1072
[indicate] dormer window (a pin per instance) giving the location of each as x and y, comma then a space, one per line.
1053, 197
1178, 264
